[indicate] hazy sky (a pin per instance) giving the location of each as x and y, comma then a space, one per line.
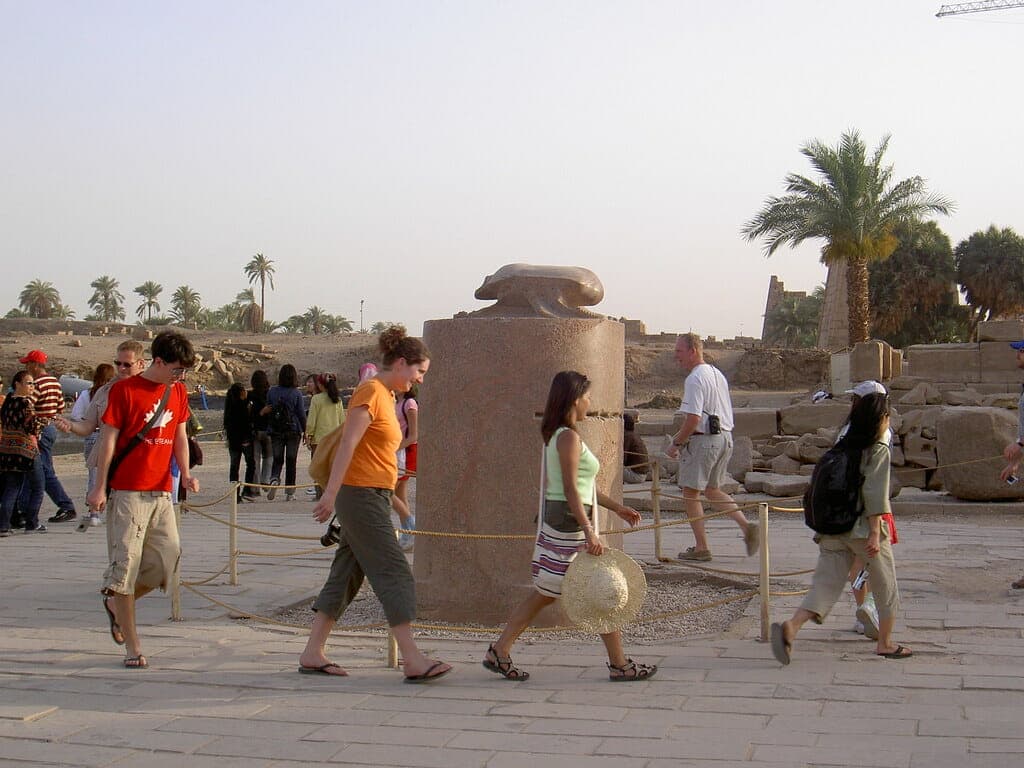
398, 152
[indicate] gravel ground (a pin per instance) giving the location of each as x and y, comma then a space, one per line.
668, 591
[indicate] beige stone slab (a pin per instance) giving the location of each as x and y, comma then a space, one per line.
863, 723
1006, 746
536, 743
399, 733
426, 757
994, 760
899, 743
754, 706
291, 749
564, 711
814, 756
142, 740
482, 722
25, 713
637, 724
519, 759
718, 743
64, 754
222, 726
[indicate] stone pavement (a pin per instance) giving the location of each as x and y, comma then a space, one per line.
221, 692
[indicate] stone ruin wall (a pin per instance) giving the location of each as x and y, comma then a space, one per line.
952, 405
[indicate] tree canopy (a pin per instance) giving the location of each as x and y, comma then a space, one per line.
990, 267
854, 206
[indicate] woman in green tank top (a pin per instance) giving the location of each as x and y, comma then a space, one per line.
569, 493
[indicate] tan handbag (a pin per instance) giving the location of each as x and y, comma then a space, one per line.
323, 458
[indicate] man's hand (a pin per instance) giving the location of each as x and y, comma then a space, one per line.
62, 424
191, 483
1013, 453
1011, 469
628, 515
97, 498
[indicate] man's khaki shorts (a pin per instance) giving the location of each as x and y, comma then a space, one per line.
142, 541
703, 461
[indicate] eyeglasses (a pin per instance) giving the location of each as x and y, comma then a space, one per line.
119, 364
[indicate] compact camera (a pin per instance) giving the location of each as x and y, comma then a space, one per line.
714, 424
332, 535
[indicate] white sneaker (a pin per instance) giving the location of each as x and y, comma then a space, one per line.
858, 627
311, 491
94, 520
867, 615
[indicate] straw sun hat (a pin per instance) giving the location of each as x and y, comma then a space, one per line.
603, 593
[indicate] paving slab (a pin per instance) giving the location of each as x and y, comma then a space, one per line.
224, 691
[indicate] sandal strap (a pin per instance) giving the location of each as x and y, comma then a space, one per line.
632, 669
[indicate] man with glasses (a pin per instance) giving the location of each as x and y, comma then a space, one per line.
128, 362
142, 536
48, 402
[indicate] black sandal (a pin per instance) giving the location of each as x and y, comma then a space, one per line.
631, 671
504, 667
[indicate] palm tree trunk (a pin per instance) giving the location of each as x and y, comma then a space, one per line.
833, 328
857, 298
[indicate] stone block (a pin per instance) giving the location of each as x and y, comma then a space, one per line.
945, 362
904, 382
839, 371
919, 451
898, 458
966, 434
866, 360
962, 397
1003, 400
786, 485
922, 394
771, 450
895, 363
754, 481
808, 417
806, 470
784, 465
912, 477
1000, 330
742, 460
919, 418
998, 362
756, 422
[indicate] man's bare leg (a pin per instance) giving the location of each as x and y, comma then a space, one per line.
695, 513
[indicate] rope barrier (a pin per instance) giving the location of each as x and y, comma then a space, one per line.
724, 572
296, 553
206, 580
247, 528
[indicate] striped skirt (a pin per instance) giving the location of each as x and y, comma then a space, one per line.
559, 540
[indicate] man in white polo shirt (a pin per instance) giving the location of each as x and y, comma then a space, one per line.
704, 446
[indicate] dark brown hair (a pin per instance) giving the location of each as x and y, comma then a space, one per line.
394, 344
566, 388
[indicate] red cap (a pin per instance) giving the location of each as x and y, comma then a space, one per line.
35, 356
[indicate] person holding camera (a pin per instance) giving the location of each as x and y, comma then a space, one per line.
704, 446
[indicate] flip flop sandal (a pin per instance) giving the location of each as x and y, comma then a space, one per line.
426, 677
322, 670
900, 653
504, 667
115, 628
631, 672
781, 647
136, 662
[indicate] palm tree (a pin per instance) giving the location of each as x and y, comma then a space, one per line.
250, 316
295, 324
261, 269
186, 305
854, 208
106, 299
315, 318
337, 324
380, 326
149, 291
793, 322
64, 312
990, 267
40, 299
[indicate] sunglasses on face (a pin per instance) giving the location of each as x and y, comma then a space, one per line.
119, 364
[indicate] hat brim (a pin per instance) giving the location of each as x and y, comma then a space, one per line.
582, 612
1017, 345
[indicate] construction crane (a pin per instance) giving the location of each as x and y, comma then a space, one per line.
988, 5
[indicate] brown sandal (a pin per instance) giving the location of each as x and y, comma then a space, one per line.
631, 671
504, 667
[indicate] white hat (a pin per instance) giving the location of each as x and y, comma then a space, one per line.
603, 593
865, 388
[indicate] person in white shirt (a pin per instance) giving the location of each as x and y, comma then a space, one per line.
704, 447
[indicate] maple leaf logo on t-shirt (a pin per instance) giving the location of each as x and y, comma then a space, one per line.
165, 417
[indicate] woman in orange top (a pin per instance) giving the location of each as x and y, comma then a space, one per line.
358, 494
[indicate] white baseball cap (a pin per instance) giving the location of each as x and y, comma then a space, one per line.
865, 388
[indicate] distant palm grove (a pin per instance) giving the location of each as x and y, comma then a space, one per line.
40, 299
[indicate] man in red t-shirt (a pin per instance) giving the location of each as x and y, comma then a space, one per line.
140, 485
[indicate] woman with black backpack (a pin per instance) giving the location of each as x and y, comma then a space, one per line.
287, 424
869, 538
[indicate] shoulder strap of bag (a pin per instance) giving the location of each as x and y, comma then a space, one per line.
116, 461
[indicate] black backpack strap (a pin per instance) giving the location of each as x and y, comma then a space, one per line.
131, 445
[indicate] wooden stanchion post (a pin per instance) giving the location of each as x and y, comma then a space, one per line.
392, 651
762, 513
233, 539
176, 577
656, 509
